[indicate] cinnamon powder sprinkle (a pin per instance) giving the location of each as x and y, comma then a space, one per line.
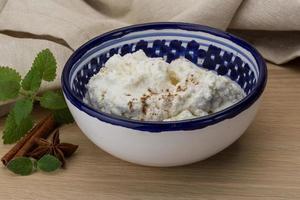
180, 89
152, 92
130, 105
144, 104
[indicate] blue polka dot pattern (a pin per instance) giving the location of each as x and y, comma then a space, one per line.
209, 57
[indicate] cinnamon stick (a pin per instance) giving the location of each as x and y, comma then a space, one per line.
11, 153
41, 130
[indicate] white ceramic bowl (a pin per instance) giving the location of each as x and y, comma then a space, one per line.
167, 143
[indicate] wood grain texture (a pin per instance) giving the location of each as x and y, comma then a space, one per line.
263, 164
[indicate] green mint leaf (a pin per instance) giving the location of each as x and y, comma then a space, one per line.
53, 100
48, 163
32, 80
21, 165
13, 132
47, 60
63, 116
22, 109
43, 68
9, 83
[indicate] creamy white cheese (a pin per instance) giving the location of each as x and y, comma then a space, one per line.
138, 87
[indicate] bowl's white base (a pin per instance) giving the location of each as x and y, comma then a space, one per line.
164, 149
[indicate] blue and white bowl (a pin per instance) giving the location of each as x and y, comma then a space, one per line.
176, 142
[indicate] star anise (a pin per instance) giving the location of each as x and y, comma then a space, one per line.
55, 148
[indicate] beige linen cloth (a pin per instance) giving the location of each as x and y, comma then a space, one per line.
27, 26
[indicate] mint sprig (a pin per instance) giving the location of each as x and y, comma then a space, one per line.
48, 163
53, 100
63, 116
19, 120
21, 165
25, 166
9, 83
13, 131
43, 68
22, 109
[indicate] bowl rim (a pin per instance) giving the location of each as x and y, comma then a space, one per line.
161, 126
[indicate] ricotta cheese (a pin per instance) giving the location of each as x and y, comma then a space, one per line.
142, 88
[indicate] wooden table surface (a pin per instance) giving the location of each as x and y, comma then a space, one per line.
263, 164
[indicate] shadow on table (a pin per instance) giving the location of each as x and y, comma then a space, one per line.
293, 65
